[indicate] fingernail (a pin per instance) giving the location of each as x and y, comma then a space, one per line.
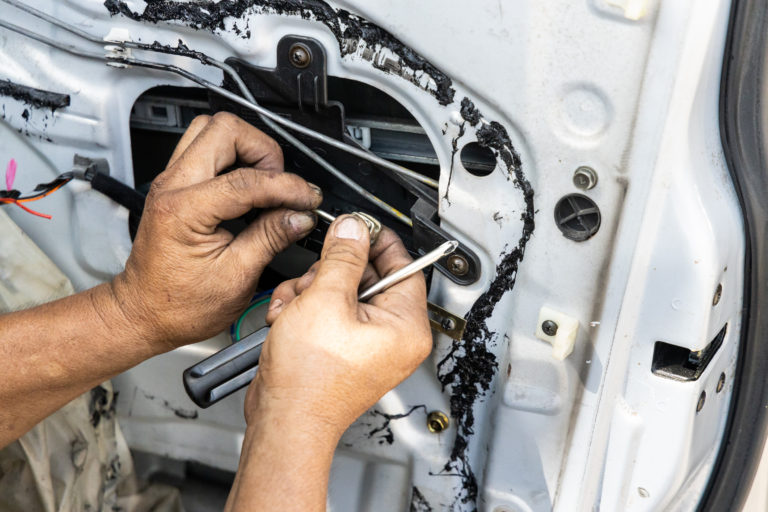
276, 304
316, 189
350, 228
302, 221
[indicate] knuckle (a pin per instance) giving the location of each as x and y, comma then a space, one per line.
239, 180
345, 253
224, 118
273, 236
199, 122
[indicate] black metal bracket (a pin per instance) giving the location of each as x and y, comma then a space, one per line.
427, 235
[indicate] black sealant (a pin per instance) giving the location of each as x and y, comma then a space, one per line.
351, 31
37, 98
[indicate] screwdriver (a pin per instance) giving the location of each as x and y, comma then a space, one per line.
235, 366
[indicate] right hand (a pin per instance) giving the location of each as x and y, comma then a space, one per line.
329, 357
187, 278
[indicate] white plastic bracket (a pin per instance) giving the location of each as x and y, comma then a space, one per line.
564, 339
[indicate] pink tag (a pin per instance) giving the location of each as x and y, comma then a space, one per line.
10, 174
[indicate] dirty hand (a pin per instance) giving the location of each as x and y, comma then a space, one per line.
187, 278
328, 357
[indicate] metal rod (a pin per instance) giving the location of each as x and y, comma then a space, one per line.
324, 215
407, 271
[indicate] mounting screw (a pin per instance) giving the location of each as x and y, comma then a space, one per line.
448, 324
700, 403
300, 56
437, 421
549, 327
718, 295
458, 265
585, 178
720, 382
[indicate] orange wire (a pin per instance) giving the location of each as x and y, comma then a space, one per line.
9, 200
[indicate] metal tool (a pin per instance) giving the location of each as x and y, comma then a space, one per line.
233, 367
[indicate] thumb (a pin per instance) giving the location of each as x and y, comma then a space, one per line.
344, 259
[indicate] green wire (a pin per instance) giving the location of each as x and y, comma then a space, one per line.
245, 313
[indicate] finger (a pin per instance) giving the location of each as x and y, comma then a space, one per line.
224, 140
271, 233
370, 277
343, 261
281, 297
194, 129
235, 193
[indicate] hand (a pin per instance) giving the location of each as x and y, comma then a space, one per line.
187, 278
328, 357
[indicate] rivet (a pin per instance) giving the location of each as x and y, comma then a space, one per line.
718, 295
437, 421
643, 492
720, 382
299, 55
458, 265
585, 178
700, 403
549, 327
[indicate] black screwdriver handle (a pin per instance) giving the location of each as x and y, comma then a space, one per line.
226, 371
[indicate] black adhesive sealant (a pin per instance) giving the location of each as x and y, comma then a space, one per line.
469, 367
36, 98
350, 30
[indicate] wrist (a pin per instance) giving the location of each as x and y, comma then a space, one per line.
292, 414
121, 319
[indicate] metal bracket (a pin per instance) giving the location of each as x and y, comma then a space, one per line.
461, 267
445, 322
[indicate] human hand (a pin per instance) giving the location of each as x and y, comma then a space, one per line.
329, 357
187, 278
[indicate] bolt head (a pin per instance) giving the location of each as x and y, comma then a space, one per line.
702, 399
437, 421
585, 178
458, 265
549, 327
718, 295
448, 324
300, 56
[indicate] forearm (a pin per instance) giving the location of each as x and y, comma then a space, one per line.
285, 462
52, 353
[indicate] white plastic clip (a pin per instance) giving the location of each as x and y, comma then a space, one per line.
559, 330
113, 51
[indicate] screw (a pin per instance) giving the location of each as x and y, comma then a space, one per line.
720, 382
585, 178
549, 327
300, 56
448, 324
458, 265
437, 421
643, 492
718, 294
700, 404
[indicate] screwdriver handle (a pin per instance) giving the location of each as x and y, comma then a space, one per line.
226, 371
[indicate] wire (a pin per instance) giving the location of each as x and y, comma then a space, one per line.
10, 200
44, 190
250, 308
